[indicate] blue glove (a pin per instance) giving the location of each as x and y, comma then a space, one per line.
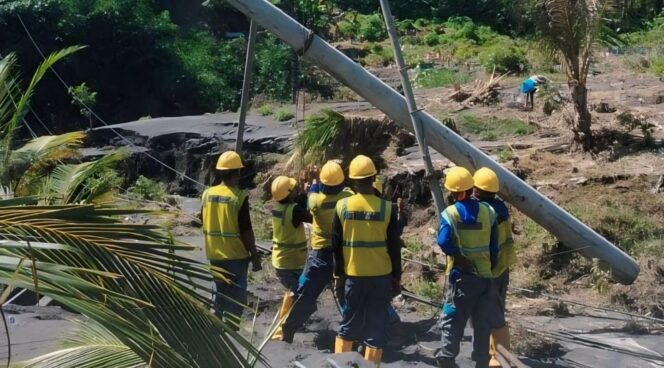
455, 275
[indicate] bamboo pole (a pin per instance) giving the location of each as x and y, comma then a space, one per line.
434, 183
564, 226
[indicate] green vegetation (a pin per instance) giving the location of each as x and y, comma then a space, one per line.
505, 155
318, 134
493, 128
413, 243
622, 224
147, 189
435, 77
504, 56
265, 110
141, 302
284, 115
657, 65
429, 289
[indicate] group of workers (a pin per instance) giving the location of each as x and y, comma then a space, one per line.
355, 243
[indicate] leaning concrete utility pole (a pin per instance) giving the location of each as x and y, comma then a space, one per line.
564, 226
246, 85
434, 184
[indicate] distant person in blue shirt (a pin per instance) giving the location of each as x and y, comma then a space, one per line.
529, 87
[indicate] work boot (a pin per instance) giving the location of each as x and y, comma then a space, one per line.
342, 346
499, 336
285, 308
373, 355
446, 363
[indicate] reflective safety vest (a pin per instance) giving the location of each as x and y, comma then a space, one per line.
323, 208
506, 249
364, 219
221, 206
289, 243
473, 239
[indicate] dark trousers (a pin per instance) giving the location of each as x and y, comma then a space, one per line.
231, 296
468, 297
365, 312
288, 278
316, 276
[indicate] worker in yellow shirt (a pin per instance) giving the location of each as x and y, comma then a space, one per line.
366, 245
229, 237
289, 241
468, 235
487, 186
319, 267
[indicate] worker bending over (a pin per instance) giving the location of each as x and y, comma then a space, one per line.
289, 242
367, 254
486, 187
229, 237
529, 87
319, 267
469, 235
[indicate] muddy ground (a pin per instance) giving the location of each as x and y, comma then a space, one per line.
546, 332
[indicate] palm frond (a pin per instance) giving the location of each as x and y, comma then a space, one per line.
29, 164
81, 182
128, 278
90, 346
8, 127
8, 90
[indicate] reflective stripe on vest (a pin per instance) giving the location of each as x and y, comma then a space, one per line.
289, 244
221, 206
364, 219
322, 207
473, 239
506, 249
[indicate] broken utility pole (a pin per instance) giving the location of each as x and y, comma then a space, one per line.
572, 232
434, 183
246, 85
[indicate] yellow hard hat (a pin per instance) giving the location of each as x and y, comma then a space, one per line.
282, 186
331, 174
229, 160
378, 185
361, 167
487, 180
458, 179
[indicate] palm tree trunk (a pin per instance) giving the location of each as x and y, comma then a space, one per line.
582, 132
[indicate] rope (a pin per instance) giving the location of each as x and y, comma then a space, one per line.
67, 86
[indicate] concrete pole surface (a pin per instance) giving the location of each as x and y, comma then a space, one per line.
436, 191
246, 85
564, 226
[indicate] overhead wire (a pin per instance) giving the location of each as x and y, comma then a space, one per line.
93, 113
41, 122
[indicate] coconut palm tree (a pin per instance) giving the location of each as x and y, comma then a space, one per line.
571, 30
143, 300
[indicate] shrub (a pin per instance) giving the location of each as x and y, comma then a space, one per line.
434, 77
347, 28
493, 128
265, 110
657, 65
504, 56
372, 28
147, 189
283, 115
431, 39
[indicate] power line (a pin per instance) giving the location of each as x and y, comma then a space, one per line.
67, 86
41, 122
